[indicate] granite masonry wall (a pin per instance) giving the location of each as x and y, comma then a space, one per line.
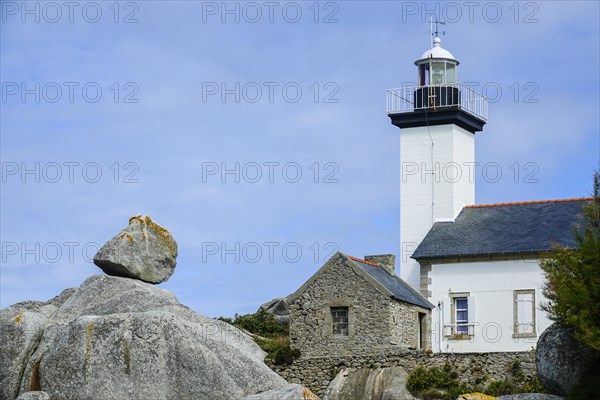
377, 323
405, 325
316, 372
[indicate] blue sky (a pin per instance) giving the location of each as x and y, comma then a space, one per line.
113, 109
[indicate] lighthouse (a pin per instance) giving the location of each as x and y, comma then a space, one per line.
438, 119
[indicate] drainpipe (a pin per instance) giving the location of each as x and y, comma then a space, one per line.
441, 322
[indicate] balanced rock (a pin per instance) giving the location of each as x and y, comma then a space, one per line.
116, 338
144, 250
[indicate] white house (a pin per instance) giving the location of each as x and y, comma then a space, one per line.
482, 272
477, 264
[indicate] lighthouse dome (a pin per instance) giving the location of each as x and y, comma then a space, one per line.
438, 52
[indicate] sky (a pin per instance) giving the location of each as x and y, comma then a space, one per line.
257, 134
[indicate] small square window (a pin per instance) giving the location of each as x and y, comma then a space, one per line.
339, 320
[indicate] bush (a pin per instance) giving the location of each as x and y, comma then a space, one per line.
515, 367
278, 350
573, 277
433, 383
274, 337
261, 323
419, 380
532, 386
499, 388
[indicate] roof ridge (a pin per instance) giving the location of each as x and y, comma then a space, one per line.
360, 260
519, 203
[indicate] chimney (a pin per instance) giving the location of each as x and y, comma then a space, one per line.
386, 261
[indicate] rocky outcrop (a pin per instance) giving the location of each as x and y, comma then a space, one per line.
144, 250
377, 383
280, 308
289, 392
119, 338
22, 326
563, 363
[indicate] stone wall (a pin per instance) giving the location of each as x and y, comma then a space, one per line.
405, 325
316, 372
371, 314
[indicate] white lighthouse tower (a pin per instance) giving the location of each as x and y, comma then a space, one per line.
438, 119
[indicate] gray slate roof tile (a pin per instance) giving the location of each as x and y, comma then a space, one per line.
502, 229
400, 289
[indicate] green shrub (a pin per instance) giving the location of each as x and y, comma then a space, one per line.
275, 338
419, 380
573, 277
285, 355
515, 367
433, 383
278, 350
431, 394
499, 388
532, 385
262, 323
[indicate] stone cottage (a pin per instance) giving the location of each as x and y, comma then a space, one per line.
358, 307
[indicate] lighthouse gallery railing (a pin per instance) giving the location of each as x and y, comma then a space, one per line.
410, 98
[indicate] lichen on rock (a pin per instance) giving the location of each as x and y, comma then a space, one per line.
116, 338
476, 396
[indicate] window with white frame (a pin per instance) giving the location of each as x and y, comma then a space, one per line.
460, 315
524, 313
461, 319
339, 320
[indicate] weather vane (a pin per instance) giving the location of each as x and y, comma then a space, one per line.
434, 34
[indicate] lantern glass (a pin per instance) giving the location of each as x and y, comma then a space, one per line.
450, 73
438, 73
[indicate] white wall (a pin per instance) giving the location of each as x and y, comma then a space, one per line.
426, 197
490, 286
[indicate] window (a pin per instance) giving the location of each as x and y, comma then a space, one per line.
423, 74
339, 320
459, 310
438, 73
461, 306
450, 73
524, 313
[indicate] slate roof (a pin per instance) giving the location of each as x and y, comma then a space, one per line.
502, 229
396, 286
